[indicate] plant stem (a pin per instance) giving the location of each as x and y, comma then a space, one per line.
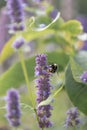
74, 128
14, 128
37, 118
36, 115
26, 78
42, 128
58, 91
28, 83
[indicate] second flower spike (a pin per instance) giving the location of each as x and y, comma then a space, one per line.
43, 91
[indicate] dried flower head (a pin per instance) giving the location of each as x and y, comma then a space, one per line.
13, 108
43, 91
72, 118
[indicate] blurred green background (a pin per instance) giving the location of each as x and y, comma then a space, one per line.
70, 9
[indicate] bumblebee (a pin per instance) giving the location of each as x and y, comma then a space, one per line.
52, 68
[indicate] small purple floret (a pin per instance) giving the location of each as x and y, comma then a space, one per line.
13, 108
16, 27
18, 43
83, 77
72, 118
43, 90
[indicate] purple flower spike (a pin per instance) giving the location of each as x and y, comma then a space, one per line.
18, 43
43, 91
83, 77
15, 12
13, 108
72, 118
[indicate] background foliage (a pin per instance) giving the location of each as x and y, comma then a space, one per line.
59, 40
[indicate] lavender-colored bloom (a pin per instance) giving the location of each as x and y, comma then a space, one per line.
84, 47
83, 77
17, 27
43, 91
18, 43
83, 20
72, 119
16, 12
54, 13
13, 108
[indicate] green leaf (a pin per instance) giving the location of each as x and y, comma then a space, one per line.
46, 102
77, 70
29, 34
49, 25
14, 76
7, 50
76, 89
26, 106
73, 27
